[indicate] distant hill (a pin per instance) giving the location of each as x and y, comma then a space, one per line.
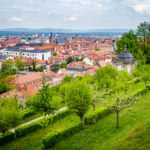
62, 30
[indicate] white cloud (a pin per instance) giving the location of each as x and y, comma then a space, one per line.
15, 19
140, 6
73, 18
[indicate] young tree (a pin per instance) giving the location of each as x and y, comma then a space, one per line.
67, 79
120, 103
78, 96
96, 98
44, 101
144, 72
146, 77
8, 64
106, 77
19, 64
63, 65
41, 101
34, 65
10, 115
70, 60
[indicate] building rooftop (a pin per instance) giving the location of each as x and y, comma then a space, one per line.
28, 51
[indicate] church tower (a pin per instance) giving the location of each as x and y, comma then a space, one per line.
51, 38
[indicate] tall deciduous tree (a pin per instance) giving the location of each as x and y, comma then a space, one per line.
144, 35
42, 101
130, 40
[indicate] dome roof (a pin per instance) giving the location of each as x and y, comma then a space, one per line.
125, 54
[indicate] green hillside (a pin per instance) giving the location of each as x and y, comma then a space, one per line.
133, 134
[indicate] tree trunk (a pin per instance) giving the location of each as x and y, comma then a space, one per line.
15, 132
93, 106
117, 119
145, 84
83, 120
125, 92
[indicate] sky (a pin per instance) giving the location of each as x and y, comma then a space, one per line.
74, 14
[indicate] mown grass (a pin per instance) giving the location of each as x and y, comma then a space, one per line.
95, 137
133, 134
33, 141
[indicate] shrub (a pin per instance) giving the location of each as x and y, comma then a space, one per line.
28, 113
55, 117
7, 137
52, 138
37, 124
96, 115
27, 129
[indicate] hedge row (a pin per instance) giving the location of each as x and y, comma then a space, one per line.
27, 129
37, 124
94, 116
7, 137
52, 138
27, 113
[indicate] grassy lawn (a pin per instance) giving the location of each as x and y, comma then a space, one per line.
102, 135
34, 116
33, 141
133, 134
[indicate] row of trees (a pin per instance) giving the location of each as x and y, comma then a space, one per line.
78, 94
10, 65
137, 42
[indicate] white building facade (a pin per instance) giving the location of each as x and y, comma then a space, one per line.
29, 54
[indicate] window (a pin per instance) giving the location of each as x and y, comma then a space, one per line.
129, 69
119, 67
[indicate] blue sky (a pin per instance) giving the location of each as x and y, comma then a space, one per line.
73, 14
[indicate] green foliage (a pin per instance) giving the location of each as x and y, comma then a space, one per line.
137, 43
63, 65
34, 65
94, 116
143, 72
19, 64
132, 135
27, 113
42, 101
106, 77
52, 138
78, 95
97, 48
7, 137
8, 65
22, 131
130, 40
54, 54
9, 113
69, 60
67, 79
